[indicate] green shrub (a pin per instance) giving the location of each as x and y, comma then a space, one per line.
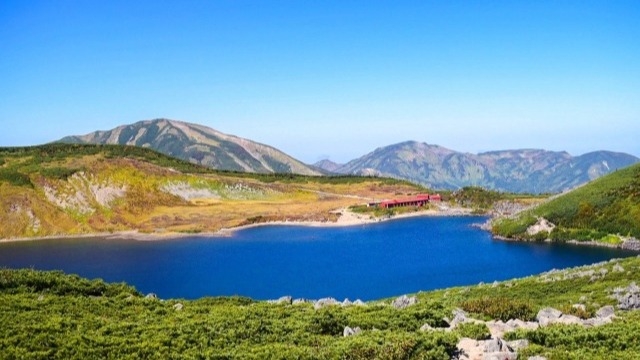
327, 321
500, 308
477, 331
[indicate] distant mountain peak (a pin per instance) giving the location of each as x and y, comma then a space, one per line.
327, 165
199, 144
519, 170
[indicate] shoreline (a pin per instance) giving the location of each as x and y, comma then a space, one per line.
347, 218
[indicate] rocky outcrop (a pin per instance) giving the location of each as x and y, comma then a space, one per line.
631, 244
404, 301
351, 332
628, 298
319, 304
542, 225
547, 316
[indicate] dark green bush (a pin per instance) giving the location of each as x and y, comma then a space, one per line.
500, 308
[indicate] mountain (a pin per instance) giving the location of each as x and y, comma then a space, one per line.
327, 165
604, 210
526, 170
200, 145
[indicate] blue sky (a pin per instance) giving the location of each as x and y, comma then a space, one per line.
330, 79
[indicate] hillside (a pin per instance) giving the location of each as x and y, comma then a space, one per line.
605, 210
582, 313
62, 189
200, 145
523, 171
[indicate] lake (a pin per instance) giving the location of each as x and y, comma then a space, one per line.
359, 262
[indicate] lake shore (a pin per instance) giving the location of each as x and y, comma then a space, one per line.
347, 218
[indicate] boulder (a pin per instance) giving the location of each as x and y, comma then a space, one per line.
350, 332
547, 316
496, 345
426, 327
325, 302
178, 307
629, 301
618, 268
151, 296
568, 320
605, 312
597, 321
459, 317
517, 345
347, 302
404, 302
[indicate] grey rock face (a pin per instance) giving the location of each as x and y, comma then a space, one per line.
496, 345
404, 302
629, 301
628, 298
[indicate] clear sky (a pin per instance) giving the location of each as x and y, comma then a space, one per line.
330, 79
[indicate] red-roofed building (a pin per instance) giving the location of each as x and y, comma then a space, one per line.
418, 200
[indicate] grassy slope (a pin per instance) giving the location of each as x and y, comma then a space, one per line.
608, 205
51, 315
135, 182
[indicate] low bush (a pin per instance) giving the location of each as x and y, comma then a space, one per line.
475, 331
500, 308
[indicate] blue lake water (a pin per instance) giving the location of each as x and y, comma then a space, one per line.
366, 262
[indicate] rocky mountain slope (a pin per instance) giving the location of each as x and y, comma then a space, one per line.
200, 145
527, 170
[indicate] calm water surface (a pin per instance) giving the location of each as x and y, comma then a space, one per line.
366, 262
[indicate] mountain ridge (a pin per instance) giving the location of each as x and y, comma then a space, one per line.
517, 170
198, 144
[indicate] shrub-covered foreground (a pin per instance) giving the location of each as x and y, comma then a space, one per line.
50, 315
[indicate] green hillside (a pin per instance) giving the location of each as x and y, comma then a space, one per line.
606, 206
68, 189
